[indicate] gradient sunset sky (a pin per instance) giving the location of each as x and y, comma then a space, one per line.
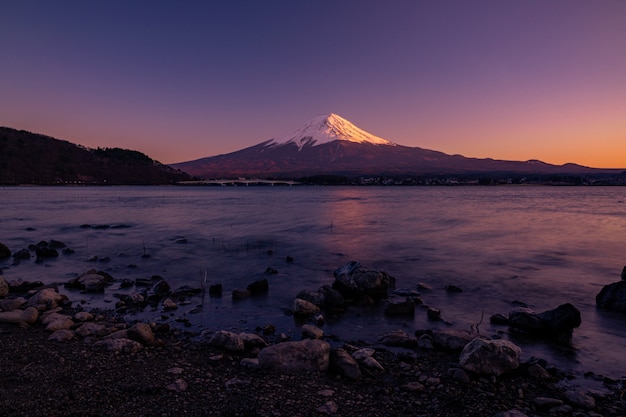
513, 80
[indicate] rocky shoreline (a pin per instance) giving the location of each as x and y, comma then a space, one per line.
60, 360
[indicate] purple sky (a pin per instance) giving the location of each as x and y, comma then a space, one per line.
182, 80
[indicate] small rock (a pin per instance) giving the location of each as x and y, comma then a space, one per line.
312, 332
175, 371
169, 304
328, 408
304, 308
179, 385
536, 371
251, 340
227, 340
83, 316
252, 363
412, 387
580, 398
142, 333
10, 304
259, 287
545, 403
345, 364
239, 294
119, 345
62, 335
5, 252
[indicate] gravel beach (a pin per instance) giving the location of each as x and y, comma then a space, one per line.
173, 377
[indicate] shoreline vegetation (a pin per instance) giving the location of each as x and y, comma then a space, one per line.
58, 359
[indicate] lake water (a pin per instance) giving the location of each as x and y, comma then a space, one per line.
543, 246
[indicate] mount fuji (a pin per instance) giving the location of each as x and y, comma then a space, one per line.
330, 145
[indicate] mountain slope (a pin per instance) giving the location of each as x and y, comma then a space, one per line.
29, 158
329, 144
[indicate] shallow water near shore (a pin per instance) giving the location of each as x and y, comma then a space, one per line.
543, 246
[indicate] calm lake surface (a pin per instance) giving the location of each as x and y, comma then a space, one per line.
543, 246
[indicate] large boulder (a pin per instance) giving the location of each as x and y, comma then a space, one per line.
491, 357
356, 282
558, 323
561, 321
296, 356
613, 296
28, 315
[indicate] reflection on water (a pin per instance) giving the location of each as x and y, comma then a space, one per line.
543, 246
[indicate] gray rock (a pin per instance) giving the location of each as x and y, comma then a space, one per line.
252, 363
499, 319
60, 324
259, 287
169, 304
403, 308
251, 340
312, 332
344, 364
30, 315
546, 403
9, 304
46, 299
329, 408
304, 308
362, 354
228, 341
451, 339
412, 387
119, 345
525, 319
333, 300
371, 363
557, 323
62, 335
425, 341
5, 252
142, 333
580, 398
433, 314
491, 357
179, 385
459, 375
83, 316
398, 338
315, 297
92, 329
538, 372
296, 356
354, 282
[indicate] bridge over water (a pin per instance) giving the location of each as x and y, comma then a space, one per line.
239, 181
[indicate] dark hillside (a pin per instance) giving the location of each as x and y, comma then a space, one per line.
29, 158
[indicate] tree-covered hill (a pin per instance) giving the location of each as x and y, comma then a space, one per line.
30, 158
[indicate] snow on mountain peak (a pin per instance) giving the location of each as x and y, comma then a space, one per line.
328, 128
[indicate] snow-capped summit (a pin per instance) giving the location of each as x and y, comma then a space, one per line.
327, 128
